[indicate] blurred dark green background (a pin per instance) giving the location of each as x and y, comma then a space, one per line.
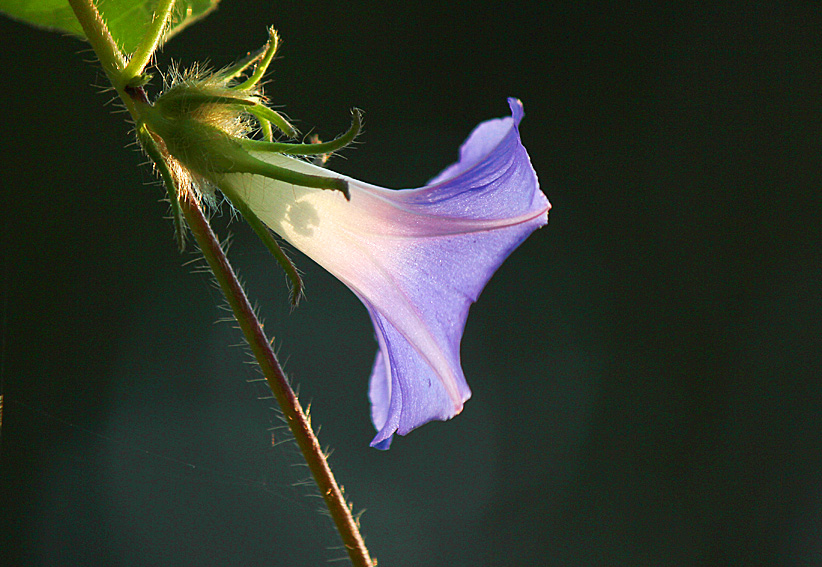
645, 369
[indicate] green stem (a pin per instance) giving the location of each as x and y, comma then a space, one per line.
104, 46
150, 42
114, 65
98, 35
295, 416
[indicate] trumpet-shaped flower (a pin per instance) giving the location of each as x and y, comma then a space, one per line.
416, 258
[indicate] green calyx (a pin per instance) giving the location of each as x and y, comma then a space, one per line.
199, 130
205, 122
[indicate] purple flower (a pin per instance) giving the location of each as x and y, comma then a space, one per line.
416, 258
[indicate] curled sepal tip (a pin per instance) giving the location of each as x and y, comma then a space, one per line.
311, 149
199, 130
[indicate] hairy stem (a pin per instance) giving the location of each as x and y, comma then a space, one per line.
114, 65
150, 42
294, 414
110, 56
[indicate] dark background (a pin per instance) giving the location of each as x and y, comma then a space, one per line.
645, 368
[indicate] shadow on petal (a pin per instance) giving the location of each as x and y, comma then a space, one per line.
416, 258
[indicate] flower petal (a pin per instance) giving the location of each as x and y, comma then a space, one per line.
416, 258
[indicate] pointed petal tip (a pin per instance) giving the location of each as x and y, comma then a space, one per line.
519, 198
382, 441
517, 109
490, 187
383, 444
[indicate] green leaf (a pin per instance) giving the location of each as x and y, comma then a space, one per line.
126, 19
